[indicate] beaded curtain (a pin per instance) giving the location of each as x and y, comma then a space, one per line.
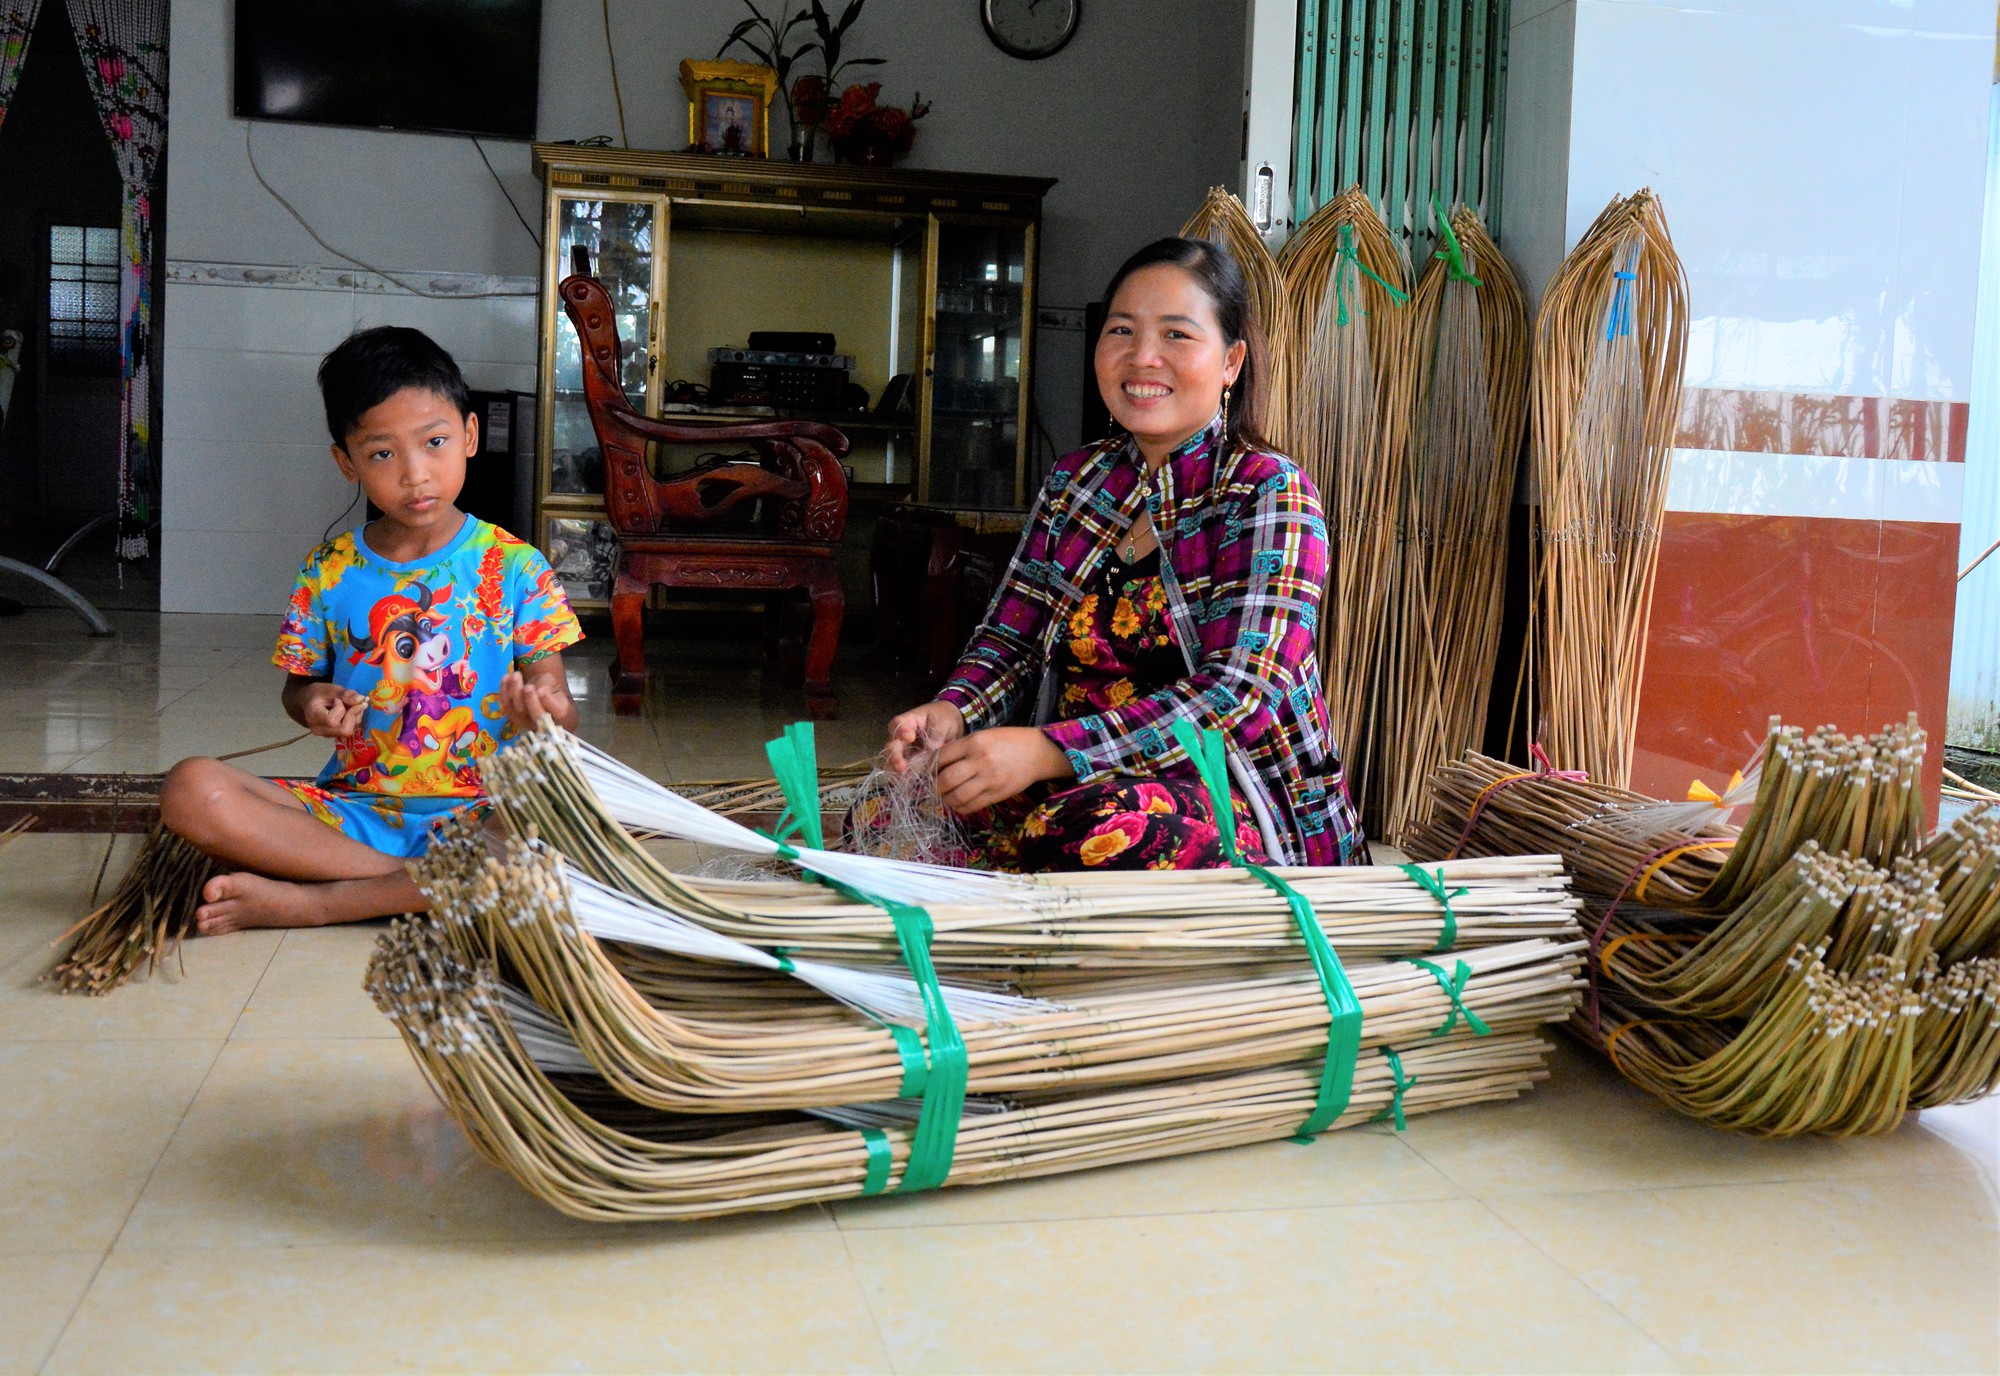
124, 47
17, 24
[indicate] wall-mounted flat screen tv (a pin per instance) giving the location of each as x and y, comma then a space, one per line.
443, 66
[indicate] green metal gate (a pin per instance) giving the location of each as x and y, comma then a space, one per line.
1406, 97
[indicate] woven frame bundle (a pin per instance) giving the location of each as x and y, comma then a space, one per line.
1609, 343
1354, 387
634, 1043
1469, 324
1223, 220
1822, 969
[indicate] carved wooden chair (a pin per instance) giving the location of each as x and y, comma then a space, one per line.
666, 527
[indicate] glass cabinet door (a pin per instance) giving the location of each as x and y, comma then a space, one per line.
976, 365
621, 237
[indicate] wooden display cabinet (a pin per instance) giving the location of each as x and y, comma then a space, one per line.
929, 274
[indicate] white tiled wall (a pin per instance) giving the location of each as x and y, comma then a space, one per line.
1822, 165
247, 483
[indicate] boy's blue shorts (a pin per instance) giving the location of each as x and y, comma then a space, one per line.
384, 821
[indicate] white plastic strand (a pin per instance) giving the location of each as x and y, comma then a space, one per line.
642, 804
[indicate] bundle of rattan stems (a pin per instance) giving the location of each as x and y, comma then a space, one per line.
1609, 341
1819, 969
631, 1042
1405, 406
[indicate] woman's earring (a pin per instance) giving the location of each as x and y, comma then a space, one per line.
1225, 413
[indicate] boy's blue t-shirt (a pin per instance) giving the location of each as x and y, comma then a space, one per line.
427, 643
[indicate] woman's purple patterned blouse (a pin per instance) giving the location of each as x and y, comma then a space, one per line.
1244, 556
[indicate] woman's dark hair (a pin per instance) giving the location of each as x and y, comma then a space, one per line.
1222, 280
370, 366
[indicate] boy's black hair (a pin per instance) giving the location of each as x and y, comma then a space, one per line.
370, 366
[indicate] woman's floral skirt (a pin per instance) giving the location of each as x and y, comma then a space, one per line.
1115, 824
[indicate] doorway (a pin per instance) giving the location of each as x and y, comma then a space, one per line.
60, 202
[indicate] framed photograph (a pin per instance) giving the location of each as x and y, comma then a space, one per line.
729, 107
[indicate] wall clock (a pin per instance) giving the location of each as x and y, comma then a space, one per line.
1030, 28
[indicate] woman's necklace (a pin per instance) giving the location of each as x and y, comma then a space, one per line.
1141, 526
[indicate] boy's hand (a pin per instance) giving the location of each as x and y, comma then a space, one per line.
524, 701
331, 711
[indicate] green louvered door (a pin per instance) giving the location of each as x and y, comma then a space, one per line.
1406, 97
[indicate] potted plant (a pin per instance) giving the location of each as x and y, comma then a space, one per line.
766, 39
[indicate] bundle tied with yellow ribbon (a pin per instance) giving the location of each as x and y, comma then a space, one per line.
1820, 968
630, 1042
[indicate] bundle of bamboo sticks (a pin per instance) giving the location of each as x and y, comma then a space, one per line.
1826, 1053
581, 1147
141, 924
698, 1054
1829, 973
1223, 220
1469, 328
1169, 919
1859, 795
1354, 386
1608, 349
152, 909
631, 1042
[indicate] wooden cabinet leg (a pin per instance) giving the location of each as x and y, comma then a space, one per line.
628, 626
828, 606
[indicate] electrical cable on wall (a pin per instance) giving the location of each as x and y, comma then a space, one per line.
511, 204
611, 52
292, 210
327, 534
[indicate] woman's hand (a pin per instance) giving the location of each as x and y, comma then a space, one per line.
991, 766
919, 729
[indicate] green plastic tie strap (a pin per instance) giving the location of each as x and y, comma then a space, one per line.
1454, 989
1451, 250
1394, 1112
1343, 1041
916, 1065
795, 765
1434, 885
936, 1138
879, 1160
1344, 256
794, 758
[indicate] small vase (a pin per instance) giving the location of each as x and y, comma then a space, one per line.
804, 139
864, 148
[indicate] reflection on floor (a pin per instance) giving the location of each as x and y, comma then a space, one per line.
238, 1168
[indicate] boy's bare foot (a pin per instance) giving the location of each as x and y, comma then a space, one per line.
234, 902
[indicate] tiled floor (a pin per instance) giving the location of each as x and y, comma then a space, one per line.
239, 1168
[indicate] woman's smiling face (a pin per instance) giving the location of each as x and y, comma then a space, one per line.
1162, 360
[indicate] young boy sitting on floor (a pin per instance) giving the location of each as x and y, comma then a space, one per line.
417, 644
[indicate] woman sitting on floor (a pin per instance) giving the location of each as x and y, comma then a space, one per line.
1173, 571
